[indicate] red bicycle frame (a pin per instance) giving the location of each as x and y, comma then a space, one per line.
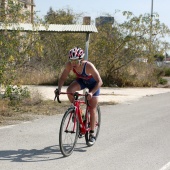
76, 104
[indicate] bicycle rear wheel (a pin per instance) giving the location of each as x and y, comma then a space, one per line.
69, 130
97, 126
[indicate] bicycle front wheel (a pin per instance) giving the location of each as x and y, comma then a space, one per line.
69, 130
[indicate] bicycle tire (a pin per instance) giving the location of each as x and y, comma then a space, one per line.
97, 127
68, 137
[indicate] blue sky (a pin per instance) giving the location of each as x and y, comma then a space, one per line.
95, 8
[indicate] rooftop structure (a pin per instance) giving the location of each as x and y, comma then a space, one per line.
104, 20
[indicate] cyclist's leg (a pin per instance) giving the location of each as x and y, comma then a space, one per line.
73, 87
93, 107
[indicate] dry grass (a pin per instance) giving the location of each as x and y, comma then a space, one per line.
36, 77
140, 75
31, 109
25, 112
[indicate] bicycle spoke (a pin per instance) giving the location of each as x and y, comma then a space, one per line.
68, 133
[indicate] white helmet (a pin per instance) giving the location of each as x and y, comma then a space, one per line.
76, 53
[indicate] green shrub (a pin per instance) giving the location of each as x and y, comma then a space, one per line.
167, 71
16, 94
163, 81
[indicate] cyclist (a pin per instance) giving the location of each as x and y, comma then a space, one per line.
87, 77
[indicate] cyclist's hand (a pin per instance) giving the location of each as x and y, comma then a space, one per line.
57, 93
89, 96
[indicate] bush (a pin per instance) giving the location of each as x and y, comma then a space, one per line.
16, 94
167, 71
163, 81
138, 75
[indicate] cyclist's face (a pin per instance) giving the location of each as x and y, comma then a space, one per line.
75, 63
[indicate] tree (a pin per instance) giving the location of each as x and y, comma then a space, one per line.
60, 17
16, 47
115, 47
159, 57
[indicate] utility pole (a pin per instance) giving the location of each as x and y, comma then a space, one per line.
87, 21
151, 25
166, 45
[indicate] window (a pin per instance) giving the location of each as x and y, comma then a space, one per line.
25, 6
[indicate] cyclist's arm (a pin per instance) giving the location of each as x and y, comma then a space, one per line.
64, 75
91, 69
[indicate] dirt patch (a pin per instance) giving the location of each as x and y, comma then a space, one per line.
10, 115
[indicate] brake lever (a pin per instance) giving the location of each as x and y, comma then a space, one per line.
57, 96
76, 95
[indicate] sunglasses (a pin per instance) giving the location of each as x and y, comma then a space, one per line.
75, 61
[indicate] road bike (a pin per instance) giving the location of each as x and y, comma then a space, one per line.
76, 124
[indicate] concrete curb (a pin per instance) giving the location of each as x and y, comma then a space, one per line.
117, 95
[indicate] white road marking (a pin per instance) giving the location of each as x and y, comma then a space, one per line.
10, 126
7, 127
166, 167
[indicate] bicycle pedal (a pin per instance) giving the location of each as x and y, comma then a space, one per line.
81, 135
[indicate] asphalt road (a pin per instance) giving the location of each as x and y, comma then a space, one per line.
133, 136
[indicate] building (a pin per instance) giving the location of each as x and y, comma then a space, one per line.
27, 6
104, 20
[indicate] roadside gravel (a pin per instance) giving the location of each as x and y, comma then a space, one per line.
108, 94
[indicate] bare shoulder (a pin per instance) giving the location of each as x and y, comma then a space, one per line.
90, 67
